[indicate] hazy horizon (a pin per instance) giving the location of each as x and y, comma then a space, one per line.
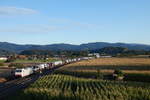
70, 43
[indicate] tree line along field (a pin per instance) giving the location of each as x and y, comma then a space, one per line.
64, 87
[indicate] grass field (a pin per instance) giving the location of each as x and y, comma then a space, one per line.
64, 87
33, 61
2, 61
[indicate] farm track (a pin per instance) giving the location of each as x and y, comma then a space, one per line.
11, 87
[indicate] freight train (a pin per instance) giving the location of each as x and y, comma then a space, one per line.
23, 72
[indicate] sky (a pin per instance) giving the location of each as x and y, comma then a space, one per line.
74, 21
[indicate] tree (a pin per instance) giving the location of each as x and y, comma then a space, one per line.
11, 58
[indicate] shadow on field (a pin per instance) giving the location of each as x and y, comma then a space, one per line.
105, 76
42, 95
110, 67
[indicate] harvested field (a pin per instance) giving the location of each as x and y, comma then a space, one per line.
135, 69
128, 65
115, 61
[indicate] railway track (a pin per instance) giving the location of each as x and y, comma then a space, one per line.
11, 87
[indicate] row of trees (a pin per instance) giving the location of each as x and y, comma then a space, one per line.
43, 54
49, 53
114, 51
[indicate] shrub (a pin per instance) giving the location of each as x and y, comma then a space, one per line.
119, 72
118, 75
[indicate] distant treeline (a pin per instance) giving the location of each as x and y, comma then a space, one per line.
113, 51
53, 53
6, 52
119, 51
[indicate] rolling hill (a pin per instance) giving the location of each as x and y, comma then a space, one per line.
89, 46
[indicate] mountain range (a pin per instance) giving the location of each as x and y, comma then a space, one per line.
17, 48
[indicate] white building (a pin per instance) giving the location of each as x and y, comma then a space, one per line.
97, 55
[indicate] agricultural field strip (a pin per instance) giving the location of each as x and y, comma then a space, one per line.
61, 80
115, 61
128, 65
78, 86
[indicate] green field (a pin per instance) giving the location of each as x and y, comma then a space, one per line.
2, 61
23, 63
64, 87
33, 61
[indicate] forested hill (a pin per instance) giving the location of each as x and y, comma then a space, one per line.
89, 46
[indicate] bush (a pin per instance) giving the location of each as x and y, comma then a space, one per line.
118, 75
11, 59
119, 72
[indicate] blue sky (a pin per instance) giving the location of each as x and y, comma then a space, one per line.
74, 21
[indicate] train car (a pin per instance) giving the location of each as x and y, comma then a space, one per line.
85, 58
56, 63
41, 66
47, 66
91, 57
36, 68
67, 61
22, 72
74, 59
50, 65
78, 59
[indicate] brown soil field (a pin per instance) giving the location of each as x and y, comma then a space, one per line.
115, 61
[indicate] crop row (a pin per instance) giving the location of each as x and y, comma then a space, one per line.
63, 87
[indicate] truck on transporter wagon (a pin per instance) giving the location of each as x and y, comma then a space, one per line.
22, 72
